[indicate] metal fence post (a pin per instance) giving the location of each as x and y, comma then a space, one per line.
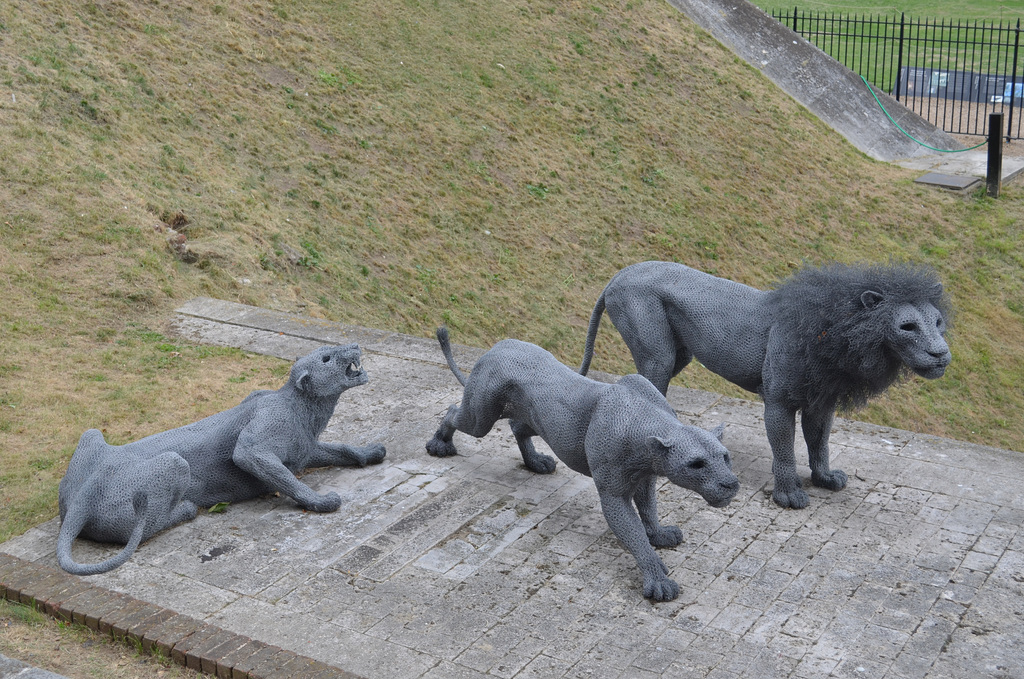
994, 176
899, 60
1013, 82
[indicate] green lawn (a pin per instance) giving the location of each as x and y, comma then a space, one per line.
990, 10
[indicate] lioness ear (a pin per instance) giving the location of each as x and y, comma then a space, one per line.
870, 299
658, 442
718, 431
302, 381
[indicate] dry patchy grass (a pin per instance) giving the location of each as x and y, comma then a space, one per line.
74, 651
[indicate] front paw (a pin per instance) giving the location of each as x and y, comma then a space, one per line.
666, 536
325, 503
540, 464
833, 480
439, 448
660, 588
372, 454
792, 499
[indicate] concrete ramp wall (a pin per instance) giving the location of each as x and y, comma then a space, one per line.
828, 89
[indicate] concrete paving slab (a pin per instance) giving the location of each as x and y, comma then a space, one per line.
473, 566
11, 669
965, 165
948, 181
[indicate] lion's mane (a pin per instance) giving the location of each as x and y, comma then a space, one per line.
839, 346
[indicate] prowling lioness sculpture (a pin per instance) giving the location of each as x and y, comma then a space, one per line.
826, 338
126, 494
624, 435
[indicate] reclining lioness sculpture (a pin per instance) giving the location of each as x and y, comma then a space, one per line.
126, 494
826, 338
624, 435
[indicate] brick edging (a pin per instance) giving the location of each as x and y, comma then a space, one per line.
185, 640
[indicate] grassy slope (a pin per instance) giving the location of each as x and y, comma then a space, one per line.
485, 164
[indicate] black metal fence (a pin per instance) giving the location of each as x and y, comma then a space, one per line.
952, 73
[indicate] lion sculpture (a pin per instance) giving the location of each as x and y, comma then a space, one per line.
126, 494
827, 338
623, 435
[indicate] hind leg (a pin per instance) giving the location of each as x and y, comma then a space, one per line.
650, 340
185, 511
441, 445
534, 461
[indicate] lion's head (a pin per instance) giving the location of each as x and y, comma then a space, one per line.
855, 330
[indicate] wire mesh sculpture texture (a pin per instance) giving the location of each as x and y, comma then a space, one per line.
126, 494
827, 338
624, 435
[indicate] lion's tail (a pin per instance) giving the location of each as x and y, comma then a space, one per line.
75, 520
595, 321
446, 348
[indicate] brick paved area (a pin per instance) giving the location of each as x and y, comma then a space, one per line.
473, 566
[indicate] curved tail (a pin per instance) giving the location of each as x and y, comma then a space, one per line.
75, 520
446, 348
595, 321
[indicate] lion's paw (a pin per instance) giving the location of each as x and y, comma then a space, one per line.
541, 464
667, 536
439, 448
328, 502
794, 499
660, 589
834, 480
373, 453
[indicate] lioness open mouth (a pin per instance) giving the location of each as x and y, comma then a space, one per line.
353, 369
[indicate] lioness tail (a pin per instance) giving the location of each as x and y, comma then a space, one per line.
446, 348
74, 522
595, 321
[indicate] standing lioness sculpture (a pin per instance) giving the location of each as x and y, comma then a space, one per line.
624, 435
826, 338
126, 494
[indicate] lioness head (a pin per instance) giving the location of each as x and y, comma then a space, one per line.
915, 335
695, 459
330, 370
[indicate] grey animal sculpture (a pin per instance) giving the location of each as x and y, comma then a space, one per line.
126, 494
827, 338
624, 435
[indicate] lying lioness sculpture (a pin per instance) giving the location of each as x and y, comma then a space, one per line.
624, 435
126, 494
826, 338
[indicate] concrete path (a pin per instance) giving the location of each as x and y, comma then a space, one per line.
973, 164
15, 669
473, 566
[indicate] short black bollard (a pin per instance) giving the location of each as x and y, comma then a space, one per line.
995, 153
